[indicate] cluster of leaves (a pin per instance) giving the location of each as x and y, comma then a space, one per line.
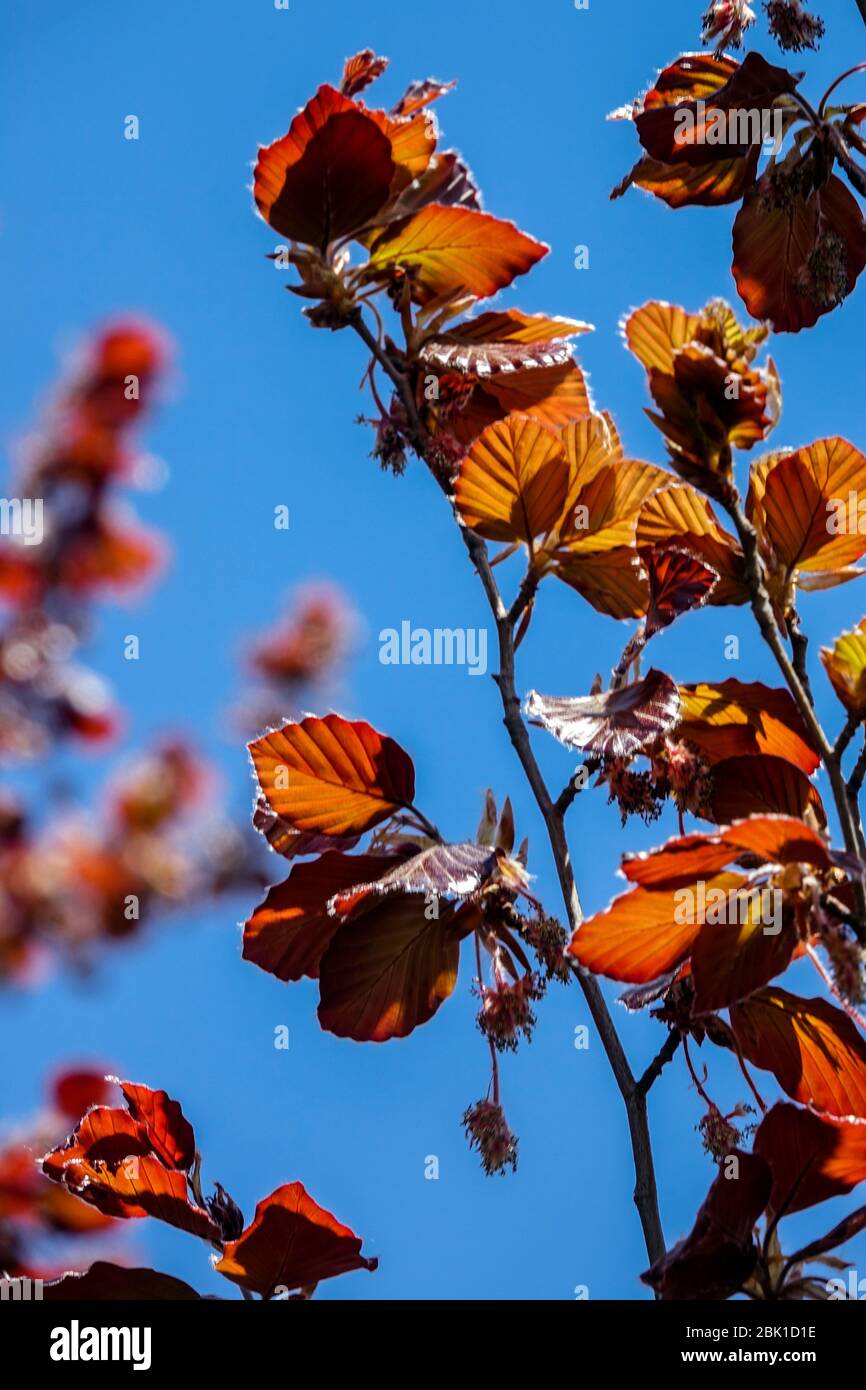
80, 881
799, 237
43, 1228
381, 930
137, 1159
89, 547
497, 408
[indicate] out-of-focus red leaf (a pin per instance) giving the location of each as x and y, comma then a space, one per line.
291, 1243
73, 1092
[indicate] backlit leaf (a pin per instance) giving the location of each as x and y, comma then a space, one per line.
618, 723
813, 1049
331, 776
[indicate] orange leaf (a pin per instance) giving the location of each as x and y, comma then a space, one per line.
802, 506
656, 331
512, 483
642, 935
813, 1049
699, 185
734, 718
331, 776
291, 1243
687, 858
454, 248
812, 1157
679, 515
612, 581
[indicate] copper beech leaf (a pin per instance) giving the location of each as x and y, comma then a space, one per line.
643, 934
618, 723
139, 1185
719, 1254
360, 70
779, 250
687, 858
733, 958
801, 503
503, 342
331, 776
813, 1049
752, 87
454, 248
845, 664
169, 1133
389, 969
106, 1282
291, 929
678, 582
679, 516
447, 871
755, 784
291, 1243
512, 483
812, 1157
611, 580
328, 176
735, 718
420, 94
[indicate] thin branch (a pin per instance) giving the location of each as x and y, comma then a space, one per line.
665, 1054
645, 1191
861, 5
763, 611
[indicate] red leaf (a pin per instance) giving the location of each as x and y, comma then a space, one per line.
718, 1256
733, 719
678, 582
687, 858
104, 1282
289, 932
169, 1134
814, 1051
812, 1157
797, 261
328, 176
388, 970
291, 1243
360, 71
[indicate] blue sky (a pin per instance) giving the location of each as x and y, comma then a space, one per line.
261, 413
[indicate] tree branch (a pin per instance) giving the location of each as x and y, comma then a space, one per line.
665, 1055
765, 617
645, 1190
